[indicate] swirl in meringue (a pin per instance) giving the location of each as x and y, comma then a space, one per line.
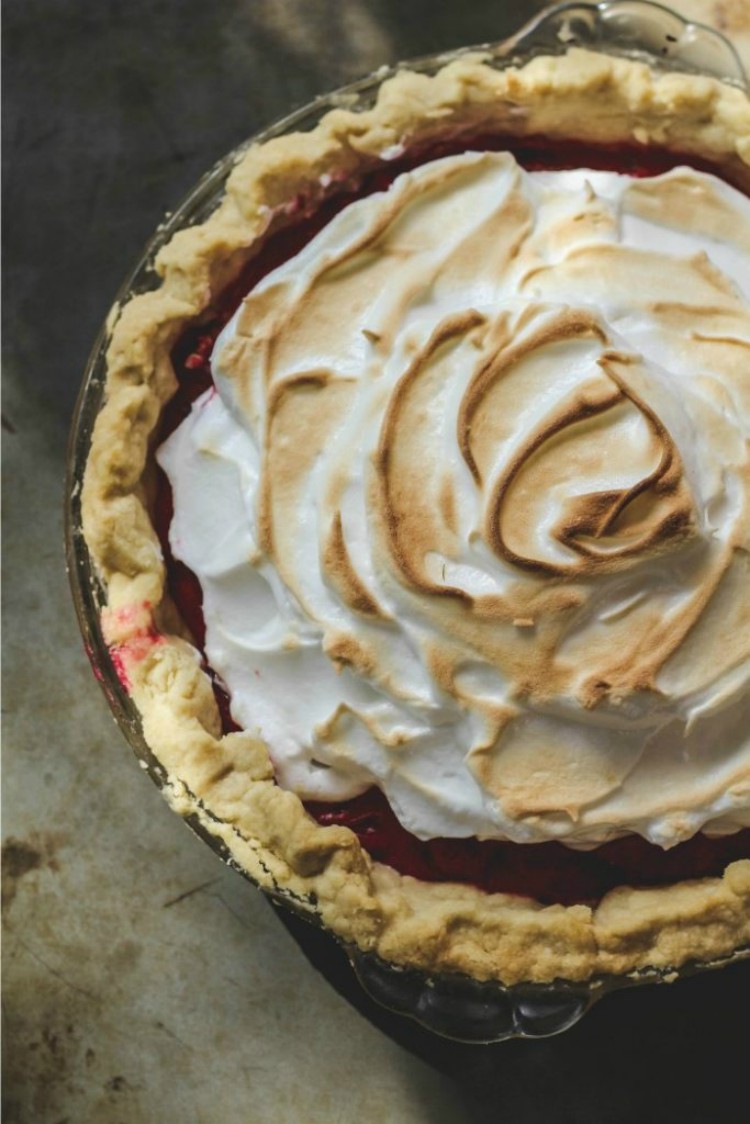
471, 507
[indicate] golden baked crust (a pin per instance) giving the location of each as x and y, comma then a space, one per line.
227, 781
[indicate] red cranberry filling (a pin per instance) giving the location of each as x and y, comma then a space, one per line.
549, 872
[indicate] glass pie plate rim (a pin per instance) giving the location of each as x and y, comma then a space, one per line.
452, 1006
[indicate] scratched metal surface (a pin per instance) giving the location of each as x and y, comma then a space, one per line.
142, 980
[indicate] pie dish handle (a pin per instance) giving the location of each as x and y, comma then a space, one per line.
466, 1010
633, 28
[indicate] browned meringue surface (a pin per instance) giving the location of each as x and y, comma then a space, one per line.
227, 781
471, 509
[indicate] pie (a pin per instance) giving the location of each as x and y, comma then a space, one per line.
421, 499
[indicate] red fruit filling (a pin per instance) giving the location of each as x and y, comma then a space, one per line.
548, 872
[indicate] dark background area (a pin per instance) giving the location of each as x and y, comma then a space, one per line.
111, 112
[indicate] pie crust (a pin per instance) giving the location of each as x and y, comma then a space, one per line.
226, 782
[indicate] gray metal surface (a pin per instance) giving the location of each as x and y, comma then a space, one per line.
142, 980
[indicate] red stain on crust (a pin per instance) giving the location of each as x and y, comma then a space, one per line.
118, 663
130, 634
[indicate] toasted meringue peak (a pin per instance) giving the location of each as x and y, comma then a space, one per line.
471, 508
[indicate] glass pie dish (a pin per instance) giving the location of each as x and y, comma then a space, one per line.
448, 1004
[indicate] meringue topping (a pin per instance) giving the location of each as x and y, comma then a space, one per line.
471, 507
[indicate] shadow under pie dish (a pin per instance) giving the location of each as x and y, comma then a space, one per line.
418, 500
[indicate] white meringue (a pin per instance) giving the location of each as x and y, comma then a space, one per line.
471, 508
